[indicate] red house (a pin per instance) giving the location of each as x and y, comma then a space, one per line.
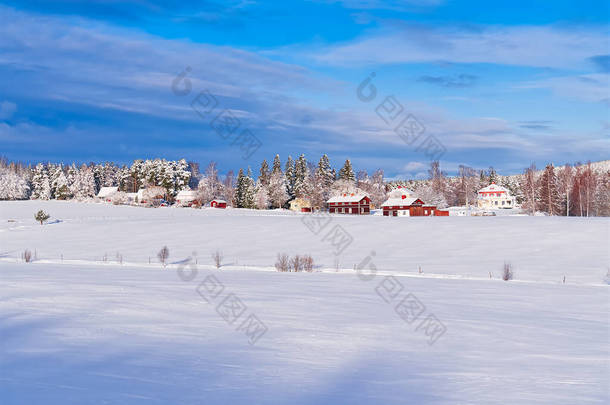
410, 207
218, 203
358, 204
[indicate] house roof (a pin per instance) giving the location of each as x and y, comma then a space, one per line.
106, 191
347, 198
183, 194
218, 201
392, 202
493, 187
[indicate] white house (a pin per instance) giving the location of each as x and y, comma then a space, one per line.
495, 196
186, 197
106, 192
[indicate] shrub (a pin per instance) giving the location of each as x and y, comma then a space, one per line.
27, 256
41, 217
507, 272
283, 262
296, 264
217, 257
163, 255
308, 263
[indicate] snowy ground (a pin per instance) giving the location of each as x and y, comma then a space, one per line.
82, 330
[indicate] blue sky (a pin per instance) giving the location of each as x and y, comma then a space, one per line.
502, 83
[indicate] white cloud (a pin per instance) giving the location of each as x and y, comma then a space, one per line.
539, 46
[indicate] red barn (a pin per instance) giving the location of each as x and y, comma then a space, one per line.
350, 204
218, 204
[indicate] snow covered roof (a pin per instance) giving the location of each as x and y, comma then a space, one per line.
218, 201
186, 195
106, 191
391, 202
493, 187
347, 198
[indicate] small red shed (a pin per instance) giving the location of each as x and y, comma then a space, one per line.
218, 203
359, 204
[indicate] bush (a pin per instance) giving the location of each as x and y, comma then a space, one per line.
217, 257
507, 272
27, 256
308, 263
163, 255
119, 198
41, 217
283, 262
296, 264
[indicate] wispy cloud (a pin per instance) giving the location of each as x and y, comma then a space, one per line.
511, 45
461, 80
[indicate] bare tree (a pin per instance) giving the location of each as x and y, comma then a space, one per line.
27, 255
566, 181
308, 263
217, 257
529, 189
163, 255
507, 272
283, 262
296, 263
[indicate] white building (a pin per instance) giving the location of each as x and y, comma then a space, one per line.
495, 196
106, 192
186, 197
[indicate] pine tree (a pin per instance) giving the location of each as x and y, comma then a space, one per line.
277, 165
347, 173
300, 174
41, 186
250, 190
59, 183
325, 171
264, 173
289, 177
549, 192
241, 189
493, 176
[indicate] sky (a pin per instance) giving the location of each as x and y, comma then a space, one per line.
390, 85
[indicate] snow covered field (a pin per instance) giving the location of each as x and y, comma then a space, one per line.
81, 330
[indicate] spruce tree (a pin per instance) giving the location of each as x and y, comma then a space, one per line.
240, 191
347, 173
550, 201
300, 174
277, 165
264, 173
289, 174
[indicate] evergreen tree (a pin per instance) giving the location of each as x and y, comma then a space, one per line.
289, 177
300, 174
277, 165
493, 176
250, 190
261, 196
41, 186
347, 173
550, 201
59, 183
241, 189
325, 172
264, 173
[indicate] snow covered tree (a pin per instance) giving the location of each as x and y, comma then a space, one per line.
264, 173
277, 190
277, 164
325, 172
529, 189
466, 187
244, 193
83, 185
41, 185
261, 196
13, 185
228, 188
300, 174
59, 183
377, 188
289, 176
41, 217
209, 186
492, 177
549, 192
566, 181
347, 173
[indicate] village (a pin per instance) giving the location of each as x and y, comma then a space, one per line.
401, 202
